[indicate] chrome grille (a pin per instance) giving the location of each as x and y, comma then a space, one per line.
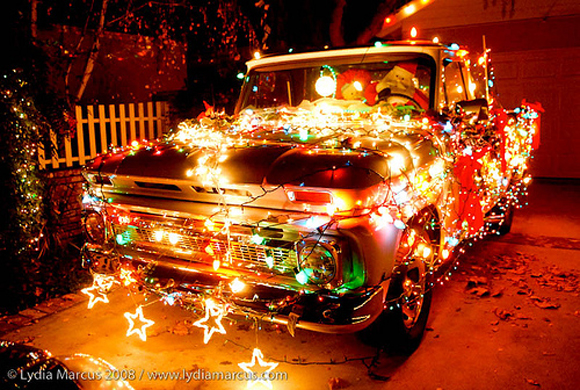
242, 255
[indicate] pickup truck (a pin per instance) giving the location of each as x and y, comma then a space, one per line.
333, 200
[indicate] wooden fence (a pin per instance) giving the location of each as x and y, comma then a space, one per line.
101, 126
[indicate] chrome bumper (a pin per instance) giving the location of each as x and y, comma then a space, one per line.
315, 310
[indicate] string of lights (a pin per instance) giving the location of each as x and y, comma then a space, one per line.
476, 175
231, 134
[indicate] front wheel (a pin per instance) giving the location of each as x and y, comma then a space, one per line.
401, 326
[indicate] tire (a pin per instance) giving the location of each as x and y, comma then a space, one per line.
401, 326
504, 227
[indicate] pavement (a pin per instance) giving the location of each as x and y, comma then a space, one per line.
508, 317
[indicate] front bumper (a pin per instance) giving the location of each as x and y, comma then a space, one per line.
273, 300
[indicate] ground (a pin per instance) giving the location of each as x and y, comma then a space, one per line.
507, 318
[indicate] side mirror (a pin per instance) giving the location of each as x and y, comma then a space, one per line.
473, 107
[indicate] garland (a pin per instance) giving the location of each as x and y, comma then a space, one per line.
464, 165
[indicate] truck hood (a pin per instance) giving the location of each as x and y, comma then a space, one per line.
257, 169
269, 164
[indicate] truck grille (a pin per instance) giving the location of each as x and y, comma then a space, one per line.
275, 260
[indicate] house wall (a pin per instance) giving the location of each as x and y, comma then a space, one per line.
129, 68
535, 49
65, 190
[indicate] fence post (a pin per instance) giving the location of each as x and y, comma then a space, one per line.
142, 134
150, 120
41, 156
80, 134
132, 121
123, 120
68, 151
103, 128
165, 114
113, 124
91, 122
158, 118
53, 149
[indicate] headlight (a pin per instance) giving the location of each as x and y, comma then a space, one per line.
95, 227
317, 261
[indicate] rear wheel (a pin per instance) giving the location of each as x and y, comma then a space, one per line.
506, 214
401, 326
506, 226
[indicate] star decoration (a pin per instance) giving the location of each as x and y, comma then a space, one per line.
104, 282
171, 298
263, 378
96, 294
127, 276
216, 312
138, 330
98, 291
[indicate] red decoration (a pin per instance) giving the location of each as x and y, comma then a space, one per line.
209, 111
538, 108
369, 91
468, 207
500, 122
421, 98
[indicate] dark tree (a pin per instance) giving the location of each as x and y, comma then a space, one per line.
29, 109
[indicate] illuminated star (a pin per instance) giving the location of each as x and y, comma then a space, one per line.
96, 294
127, 276
264, 379
216, 312
170, 299
138, 330
104, 282
98, 291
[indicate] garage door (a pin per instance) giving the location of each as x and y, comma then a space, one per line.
552, 77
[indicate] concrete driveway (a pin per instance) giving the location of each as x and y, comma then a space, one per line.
509, 317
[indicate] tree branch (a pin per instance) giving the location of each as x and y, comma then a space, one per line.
75, 52
93, 54
335, 29
384, 10
33, 18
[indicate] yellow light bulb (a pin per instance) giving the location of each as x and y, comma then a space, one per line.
410, 9
173, 238
325, 86
237, 285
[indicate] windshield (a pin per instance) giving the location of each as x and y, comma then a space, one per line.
347, 82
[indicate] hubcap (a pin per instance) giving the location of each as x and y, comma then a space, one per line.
414, 279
